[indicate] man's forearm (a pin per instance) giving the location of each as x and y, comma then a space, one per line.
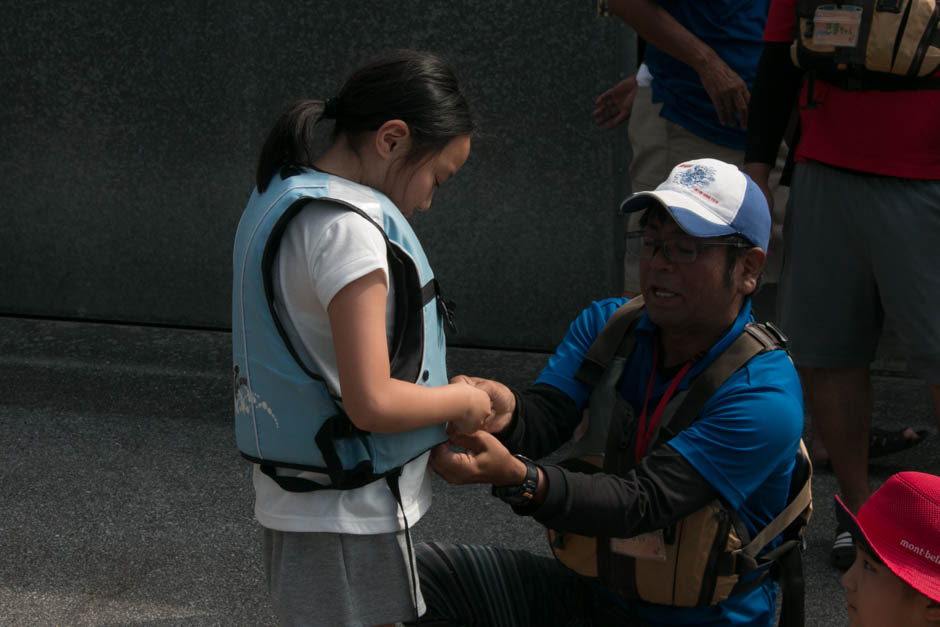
544, 418
662, 490
655, 25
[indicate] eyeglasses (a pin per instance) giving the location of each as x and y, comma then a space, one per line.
675, 249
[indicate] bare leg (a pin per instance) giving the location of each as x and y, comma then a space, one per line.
840, 401
817, 451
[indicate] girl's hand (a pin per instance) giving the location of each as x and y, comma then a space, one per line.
502, 401
477, 409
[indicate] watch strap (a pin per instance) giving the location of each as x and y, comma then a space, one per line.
523, 493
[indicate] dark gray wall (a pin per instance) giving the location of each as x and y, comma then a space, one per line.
130, 132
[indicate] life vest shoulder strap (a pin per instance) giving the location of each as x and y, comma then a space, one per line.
615, 339
757, 338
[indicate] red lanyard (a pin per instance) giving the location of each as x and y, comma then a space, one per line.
645, 433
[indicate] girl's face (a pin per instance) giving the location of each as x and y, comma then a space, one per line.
411, 187
877, 597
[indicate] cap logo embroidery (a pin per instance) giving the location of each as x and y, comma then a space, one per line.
696, 176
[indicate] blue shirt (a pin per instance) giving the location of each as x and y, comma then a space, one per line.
744, 442
734, 30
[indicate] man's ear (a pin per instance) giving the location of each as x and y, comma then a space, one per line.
393, 140
750, 265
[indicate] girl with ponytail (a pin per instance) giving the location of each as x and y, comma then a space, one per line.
340, 554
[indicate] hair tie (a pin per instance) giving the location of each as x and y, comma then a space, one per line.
330, 108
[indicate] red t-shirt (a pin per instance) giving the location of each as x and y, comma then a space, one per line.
896, 133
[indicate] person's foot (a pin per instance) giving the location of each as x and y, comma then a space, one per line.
843, 549
884, 442
881, 442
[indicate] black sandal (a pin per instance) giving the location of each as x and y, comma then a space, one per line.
884, 442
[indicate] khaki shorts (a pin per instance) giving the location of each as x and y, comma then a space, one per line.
861, 250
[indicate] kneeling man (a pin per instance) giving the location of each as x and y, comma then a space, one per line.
692, 438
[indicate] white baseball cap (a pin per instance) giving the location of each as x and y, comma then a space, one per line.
710, 198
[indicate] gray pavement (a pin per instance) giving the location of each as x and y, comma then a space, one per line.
125, 501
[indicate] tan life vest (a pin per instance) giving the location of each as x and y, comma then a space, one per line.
869, 44
709, 551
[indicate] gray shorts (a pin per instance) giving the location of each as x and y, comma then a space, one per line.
861, 250
339, 579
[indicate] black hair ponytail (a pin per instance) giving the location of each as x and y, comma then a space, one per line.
290, 139
416, 87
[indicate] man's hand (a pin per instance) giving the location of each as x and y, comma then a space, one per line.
654, 24
485, 460
613, 106
726, 89
501, 399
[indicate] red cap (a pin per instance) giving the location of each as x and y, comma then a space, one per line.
900, 524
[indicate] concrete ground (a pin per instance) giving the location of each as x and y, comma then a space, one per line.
125, 501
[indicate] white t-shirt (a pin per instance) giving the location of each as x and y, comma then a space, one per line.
323, 249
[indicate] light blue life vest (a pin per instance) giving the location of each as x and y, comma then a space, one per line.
284, 414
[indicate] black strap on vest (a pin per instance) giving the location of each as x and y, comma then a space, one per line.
756, 339
336, 428
447, 308
392, 480
267, 261
784, 562
616, 338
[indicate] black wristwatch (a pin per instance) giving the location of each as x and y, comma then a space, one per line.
521, 494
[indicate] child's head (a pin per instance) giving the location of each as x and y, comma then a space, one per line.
895, 579
396, 115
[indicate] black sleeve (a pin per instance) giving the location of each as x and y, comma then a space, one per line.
664, 488
776, 88
544, 419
